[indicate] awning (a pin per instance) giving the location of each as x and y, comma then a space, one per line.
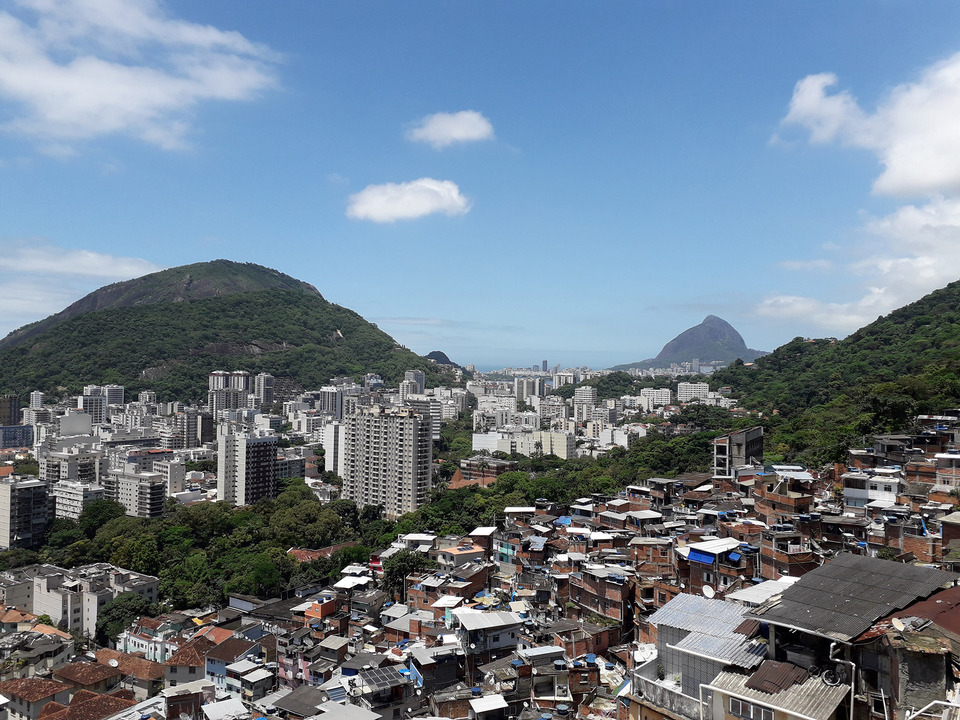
700, 557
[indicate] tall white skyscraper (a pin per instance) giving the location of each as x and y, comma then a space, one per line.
387, 458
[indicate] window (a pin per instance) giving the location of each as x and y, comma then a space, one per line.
878, 705
873, 486
749, 711
886, 488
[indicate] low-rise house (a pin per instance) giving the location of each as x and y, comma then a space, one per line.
227, 653
188, 663
28, 696
144, 678
90, 676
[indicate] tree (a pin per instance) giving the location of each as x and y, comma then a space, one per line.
97, 514
119, 613
398, 566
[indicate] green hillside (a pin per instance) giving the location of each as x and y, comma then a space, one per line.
167, 335
831, 393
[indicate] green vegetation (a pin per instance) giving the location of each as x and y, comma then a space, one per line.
120, 612
829, 394
172, 347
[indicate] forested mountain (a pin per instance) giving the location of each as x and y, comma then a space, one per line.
833, 392
712, 340
166, 331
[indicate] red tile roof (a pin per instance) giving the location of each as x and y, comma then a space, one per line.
193, 654
85, 673
92, 708
32, 689
136, 667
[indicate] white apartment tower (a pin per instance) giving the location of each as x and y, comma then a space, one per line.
246, 466
387, 458
263, 389
687, 391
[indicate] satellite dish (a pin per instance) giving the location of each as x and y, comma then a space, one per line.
112, 662
708, 592
898, 624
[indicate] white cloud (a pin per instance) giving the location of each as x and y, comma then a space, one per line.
444, 129
909, 253
914, 130
42, 279
47, 260
806, 264
914, 250
87, 68
406, 201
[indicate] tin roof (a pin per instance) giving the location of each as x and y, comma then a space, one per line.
843, 598
812, 698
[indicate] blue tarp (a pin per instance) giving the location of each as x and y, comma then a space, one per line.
734, 557
700, 557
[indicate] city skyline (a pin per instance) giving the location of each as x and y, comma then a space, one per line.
496, 182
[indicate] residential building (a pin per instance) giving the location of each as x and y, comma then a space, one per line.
246, 466
387, 458
70, 497
736, 449
687, 391
10, 409
25, 511
74, 597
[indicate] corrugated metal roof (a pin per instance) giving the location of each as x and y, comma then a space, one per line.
729, 647
847, 595
773, 677
472, 620
695, 613
812, 698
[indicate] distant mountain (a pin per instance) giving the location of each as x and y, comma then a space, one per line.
713, 340
440, 358
166, 331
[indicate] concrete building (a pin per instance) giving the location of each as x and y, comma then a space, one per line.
9, 409
25, 512
418, 377
387, 458
263, 389
687, 391
71, 496
75, 597
94, 405
736, 449
658, 396
246, 466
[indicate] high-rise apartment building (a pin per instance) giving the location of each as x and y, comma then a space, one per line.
36, 400
524, 387
25, 512
418, 377
246, 466
658, 396
263, 389
9, 409
113, 393
687, 391
93, 404
387, 457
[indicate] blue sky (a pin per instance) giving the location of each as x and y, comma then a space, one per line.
506, 182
